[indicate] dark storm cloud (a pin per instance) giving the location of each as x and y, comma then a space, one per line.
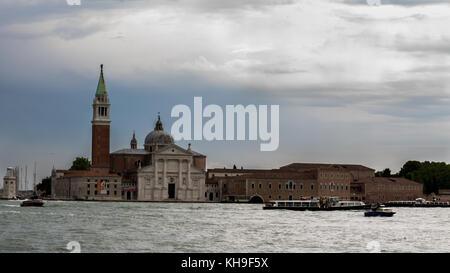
339, 73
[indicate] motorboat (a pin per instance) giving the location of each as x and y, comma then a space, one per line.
32, 202
379, 211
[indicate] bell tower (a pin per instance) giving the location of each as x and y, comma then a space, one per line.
100, 127
133, 142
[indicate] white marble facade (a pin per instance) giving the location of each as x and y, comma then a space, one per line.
171, 177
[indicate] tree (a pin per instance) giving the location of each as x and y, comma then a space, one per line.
433, 176
409, 167
45, 186
385, 173
81, 164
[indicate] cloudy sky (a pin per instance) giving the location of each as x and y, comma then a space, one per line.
356, 83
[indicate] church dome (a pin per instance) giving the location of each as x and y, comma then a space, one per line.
158, 136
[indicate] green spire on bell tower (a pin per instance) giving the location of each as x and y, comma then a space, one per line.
101, 87
101, 102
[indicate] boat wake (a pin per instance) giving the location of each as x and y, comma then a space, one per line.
12, 206
9, 212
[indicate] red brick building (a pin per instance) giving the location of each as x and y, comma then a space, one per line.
356, 171
305, 180
443, 196
384, 189
240, 185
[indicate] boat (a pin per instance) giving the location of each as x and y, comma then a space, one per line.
418, 203
315, 204
33, 202
379, 211
293, 205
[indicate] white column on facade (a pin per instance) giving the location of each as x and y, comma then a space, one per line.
154, 185
165, 186
165, 172
189, 182
180, 174
156, 174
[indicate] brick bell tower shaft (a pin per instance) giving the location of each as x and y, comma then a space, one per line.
101, 127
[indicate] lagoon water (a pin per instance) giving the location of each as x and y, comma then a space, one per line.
183, 227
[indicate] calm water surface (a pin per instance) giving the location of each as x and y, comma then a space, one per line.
172, 227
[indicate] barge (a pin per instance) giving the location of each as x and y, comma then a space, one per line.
316, 205
418, 203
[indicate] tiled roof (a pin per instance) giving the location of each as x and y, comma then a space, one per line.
386, 180
219, 170
277, 174
131, 152
197, 154
62, 171
273, 174
90, 173
304, 166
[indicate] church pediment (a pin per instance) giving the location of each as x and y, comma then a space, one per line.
173, 150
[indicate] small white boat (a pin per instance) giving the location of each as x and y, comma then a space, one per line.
380, 211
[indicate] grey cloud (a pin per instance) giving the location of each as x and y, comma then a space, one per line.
424, 45
276, 69
410, 99
438, 69
67, 30
399, 2
356, 18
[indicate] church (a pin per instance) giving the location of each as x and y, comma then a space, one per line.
160, 171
